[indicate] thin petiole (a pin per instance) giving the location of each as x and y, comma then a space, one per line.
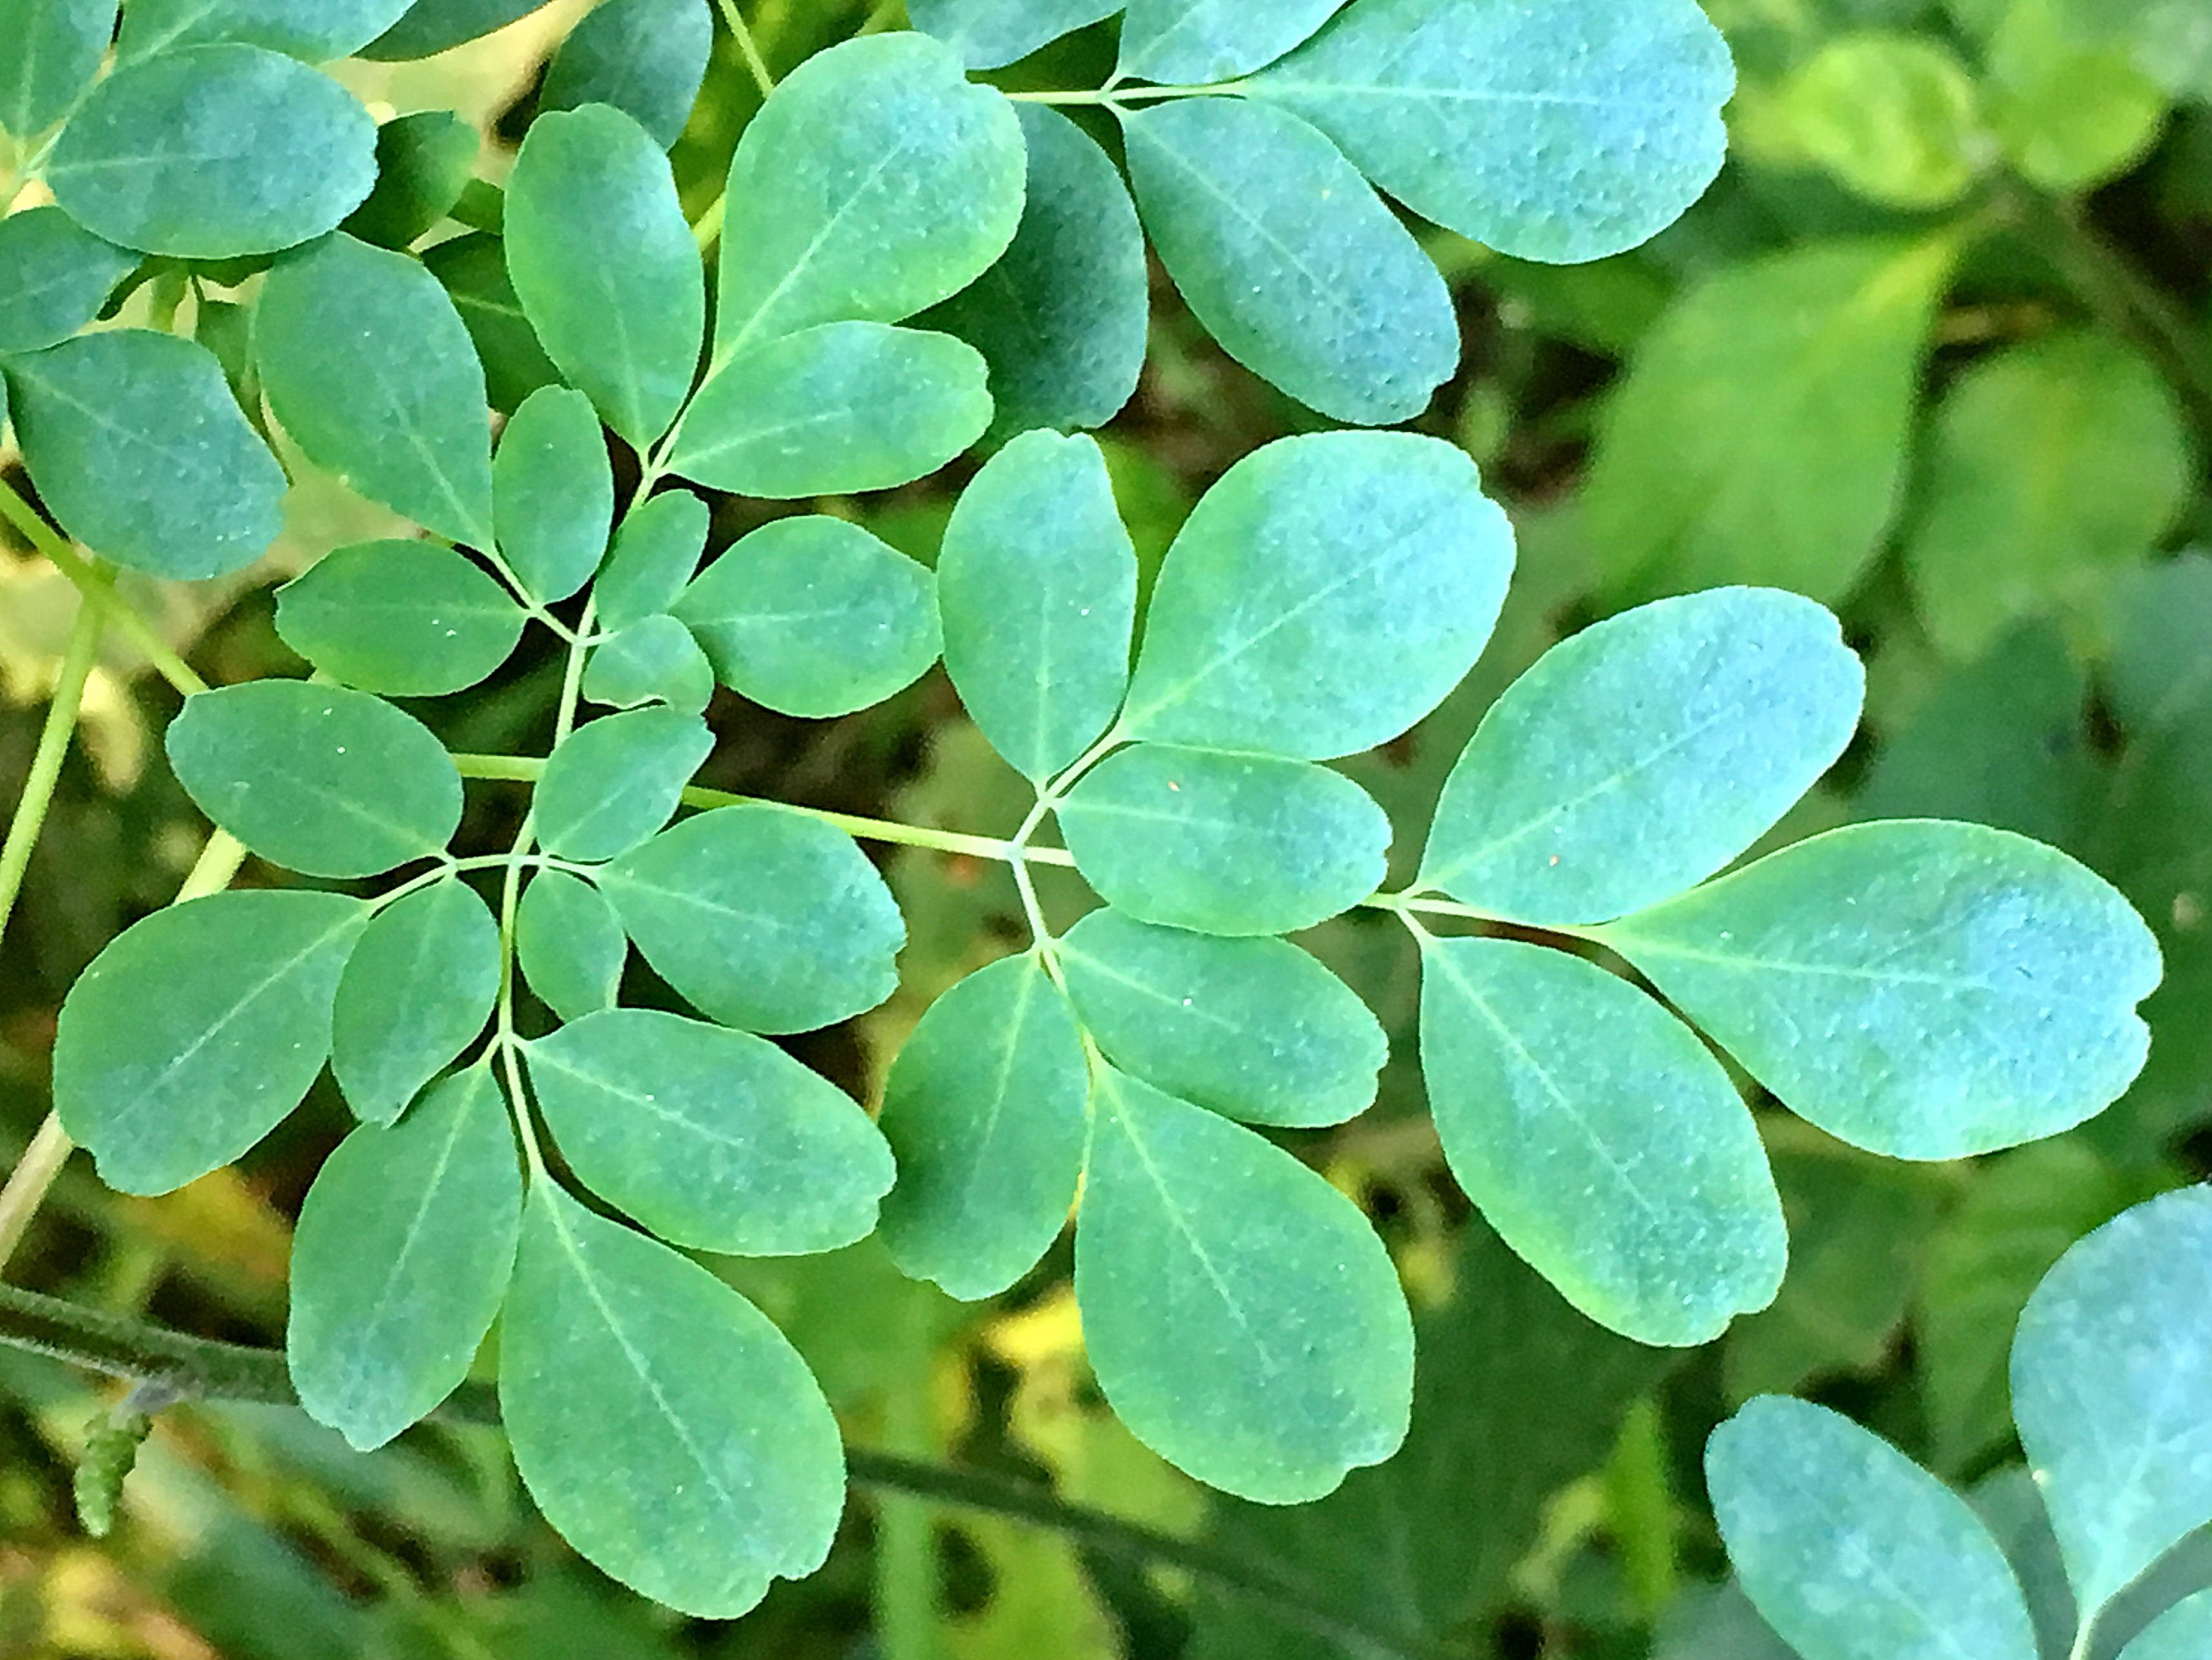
747, 48
54, 735
98, 586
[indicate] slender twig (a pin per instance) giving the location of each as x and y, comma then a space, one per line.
747, 49
30, 1182
29, 816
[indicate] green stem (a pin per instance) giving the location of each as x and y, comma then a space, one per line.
39, 785
747, 48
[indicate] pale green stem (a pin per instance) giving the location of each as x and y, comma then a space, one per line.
747, 49
708, 230
30, 815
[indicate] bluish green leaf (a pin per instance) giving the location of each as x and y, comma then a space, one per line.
430, 27
1222, 842
1255, 1028
1916, 988
368, 365
814, 616
1037, 586
605, 265
1290, 260
764, 918
1243, 1319
1325, 595
54, 277
713, 1139
314, 34
423, 161
411, 619
1851, 1550
317, 778
654, 659
1193, 42
569, 945
1061, 317
874, 182
989, 34
1641, 755
415, 992
646, 57
2183, 1632
985, 1109
1562, 134
198, 1028
553, 492
2111, 1387
291, 153
52, 49
661, 1423
473, 270
655, 550
1626, 1171
138, 448
401, 1253
614, 782
835, 410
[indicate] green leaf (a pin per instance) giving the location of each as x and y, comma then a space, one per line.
430, 27
764, 919
985, 1107
569, 945
415, 992
713, 1139
613, 783
1036, 582
52, 49
410, 619
368, 367
1192, 42
655, 552
1325, 595
1243, 1318
54, 277
315, 34
654, 659
2053, 466
423, 161
1224, 843
139, 449
989, 34
646, 57
661, 1423
1061, 317
197, 1030
874, 182
1644, 754
2182, 1632
1290, 260
2111, 1387
833, 410
1919, 989
1628, 1173
473, 270
1893, 116
605, 265
1563, 133
1760, 432
1253, 1028
813, 615
1851, 1550
317, 778
403, 1251
293, 154
553, 493
2069, 114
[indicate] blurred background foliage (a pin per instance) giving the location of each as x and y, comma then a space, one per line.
1936, 350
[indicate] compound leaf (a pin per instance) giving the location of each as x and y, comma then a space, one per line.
1322, 597
1243, 1318
197, 1028
1192, 42
317, 778
660, 1421
290, 154
410, 619
2111, 1387
141, 452
612, 783
989, 34
605, 265
1851, 1550
403, 1251
655, 659
1254, 1029
646, 57
423, 161
1642, 755
1916, 987
52, 49
569, 945
813, 615
1675, 1227
54, 277
655, 550
317, 33
472, 269
2182, 1632
1037, 583
368, 365
713, 1139
765, 919
985, 1109
417, 989
1290, 260
553, 493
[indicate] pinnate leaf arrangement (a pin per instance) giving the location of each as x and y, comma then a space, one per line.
910, 264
